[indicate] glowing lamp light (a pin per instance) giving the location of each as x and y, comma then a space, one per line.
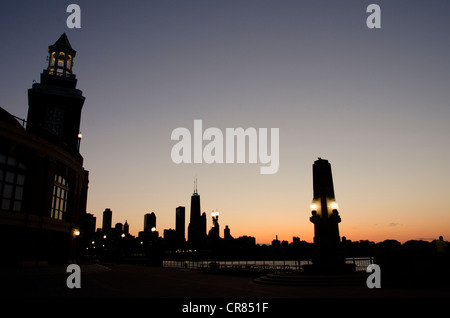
215, 214
313, 207
153, 229
80, 135
334, 205
76, 232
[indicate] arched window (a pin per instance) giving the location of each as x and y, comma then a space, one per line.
60, 195
69, 63
61, 58
52, 59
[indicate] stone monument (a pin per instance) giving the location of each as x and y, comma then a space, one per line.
328, 257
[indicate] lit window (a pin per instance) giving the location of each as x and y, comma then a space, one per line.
59, 201
69, 61
12, 181
52, 59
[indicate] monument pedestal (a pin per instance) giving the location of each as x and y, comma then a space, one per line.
328, 264
328, 258
329, 261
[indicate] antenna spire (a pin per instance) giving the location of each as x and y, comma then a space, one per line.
195, 185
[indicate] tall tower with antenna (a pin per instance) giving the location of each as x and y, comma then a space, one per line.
197, 224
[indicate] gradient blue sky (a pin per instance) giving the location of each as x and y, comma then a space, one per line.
375, 103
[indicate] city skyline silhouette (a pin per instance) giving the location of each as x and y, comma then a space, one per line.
379, 97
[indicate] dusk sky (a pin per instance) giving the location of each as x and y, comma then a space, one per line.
374, 102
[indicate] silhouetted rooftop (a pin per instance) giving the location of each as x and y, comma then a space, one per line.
8, 118
63, 42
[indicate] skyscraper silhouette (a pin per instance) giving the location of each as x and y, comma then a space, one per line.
150, 221
197, 225
126, 227
180, 223
107, 220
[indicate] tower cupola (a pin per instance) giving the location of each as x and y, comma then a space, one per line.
61, 55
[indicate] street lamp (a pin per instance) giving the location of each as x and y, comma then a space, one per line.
80, 136
75, 232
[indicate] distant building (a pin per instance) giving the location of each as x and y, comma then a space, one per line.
149, 233
150, 222
118, 228
197, 226
246, 241
43, 185
126, 228
227, 233
276, 241
170, 238
89, 225
107, 220
180, 225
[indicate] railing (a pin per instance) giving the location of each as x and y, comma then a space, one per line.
360, 262
258, 266
236, 265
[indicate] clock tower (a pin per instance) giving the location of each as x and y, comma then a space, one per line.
55, 103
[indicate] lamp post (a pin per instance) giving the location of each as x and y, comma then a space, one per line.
74, 249
80, 136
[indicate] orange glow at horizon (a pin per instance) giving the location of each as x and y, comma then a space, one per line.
282, 212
